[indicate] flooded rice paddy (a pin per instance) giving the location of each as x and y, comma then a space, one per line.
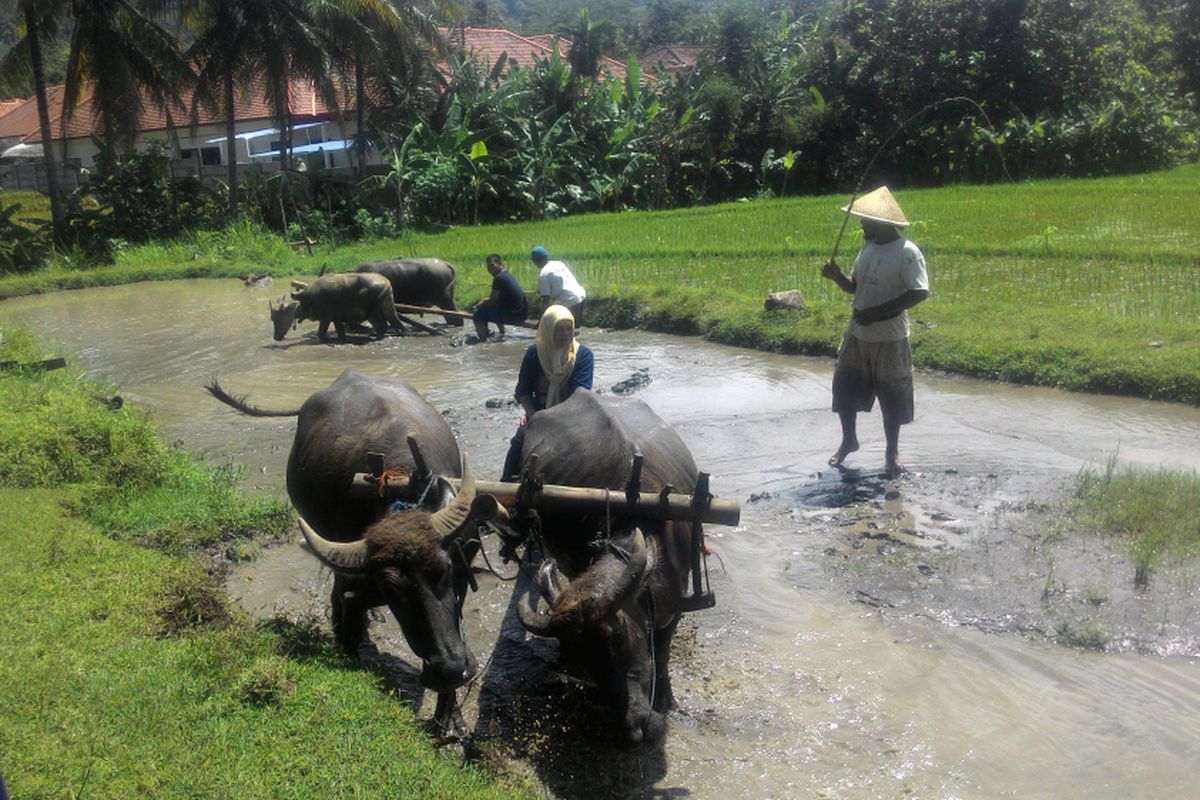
872, 638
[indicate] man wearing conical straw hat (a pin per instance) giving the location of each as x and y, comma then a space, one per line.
875, 360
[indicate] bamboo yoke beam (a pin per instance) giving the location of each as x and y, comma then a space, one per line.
574, 499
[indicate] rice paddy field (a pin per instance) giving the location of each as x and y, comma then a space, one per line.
1128, 247
1089, 285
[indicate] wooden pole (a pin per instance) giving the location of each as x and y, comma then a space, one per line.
579, 500
411, 309
419, 325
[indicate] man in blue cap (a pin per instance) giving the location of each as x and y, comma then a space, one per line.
557, 284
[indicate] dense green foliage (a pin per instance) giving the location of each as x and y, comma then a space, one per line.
126, 673
21, 248
789, 97
132, 201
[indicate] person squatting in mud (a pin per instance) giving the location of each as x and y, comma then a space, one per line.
875, 360
505, 304
554, 366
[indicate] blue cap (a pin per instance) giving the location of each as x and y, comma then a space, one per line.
538, 252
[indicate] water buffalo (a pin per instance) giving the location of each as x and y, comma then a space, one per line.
347, 299
415, 561
419, 282
614, 589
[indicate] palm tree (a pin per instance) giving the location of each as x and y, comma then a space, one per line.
26, 58
286, 44
116, 39
221, 51
374, 40
589, 42
120, 51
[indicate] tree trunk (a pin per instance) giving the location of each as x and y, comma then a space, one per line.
283, 110
360, 144
231, 174
39, 82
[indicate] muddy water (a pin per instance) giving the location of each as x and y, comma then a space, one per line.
800, 683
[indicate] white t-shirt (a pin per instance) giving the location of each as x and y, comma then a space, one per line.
556, 282
883, 272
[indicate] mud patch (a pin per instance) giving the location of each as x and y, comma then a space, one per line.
978, 551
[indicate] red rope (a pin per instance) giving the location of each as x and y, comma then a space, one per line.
393, 472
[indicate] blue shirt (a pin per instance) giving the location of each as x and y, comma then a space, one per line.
512, 296
532, 381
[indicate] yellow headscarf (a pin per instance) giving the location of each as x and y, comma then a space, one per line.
557, 362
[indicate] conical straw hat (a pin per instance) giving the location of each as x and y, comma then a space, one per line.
878, 206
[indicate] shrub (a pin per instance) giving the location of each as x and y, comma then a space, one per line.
22, 249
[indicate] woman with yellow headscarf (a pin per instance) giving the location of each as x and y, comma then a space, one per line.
553, 367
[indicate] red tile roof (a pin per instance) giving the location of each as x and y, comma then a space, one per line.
302, 99
22, 121
525, 51
674, 58
304, 102
10, 105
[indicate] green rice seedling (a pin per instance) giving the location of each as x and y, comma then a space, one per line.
1157, 513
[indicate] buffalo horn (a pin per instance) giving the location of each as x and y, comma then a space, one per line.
344, 557
448, 520
533, 619
631, 579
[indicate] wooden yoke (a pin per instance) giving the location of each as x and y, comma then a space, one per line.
573, 499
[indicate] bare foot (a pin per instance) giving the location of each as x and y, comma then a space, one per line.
846, 449
894, 468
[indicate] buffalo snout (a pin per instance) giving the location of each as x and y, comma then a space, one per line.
446, 674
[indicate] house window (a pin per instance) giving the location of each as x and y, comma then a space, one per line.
209, 156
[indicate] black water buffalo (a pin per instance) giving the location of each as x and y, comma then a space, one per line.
347, 299
614, 600
419, 282
413, 561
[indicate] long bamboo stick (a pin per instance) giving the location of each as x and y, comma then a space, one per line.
411, 309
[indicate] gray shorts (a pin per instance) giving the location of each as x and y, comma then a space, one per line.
866, 370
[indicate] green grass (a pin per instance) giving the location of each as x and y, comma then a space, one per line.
120, 680
126, 673
1089, 285
1156, 513
34, 205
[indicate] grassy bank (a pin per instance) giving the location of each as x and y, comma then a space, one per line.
126, 673
1089, 285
